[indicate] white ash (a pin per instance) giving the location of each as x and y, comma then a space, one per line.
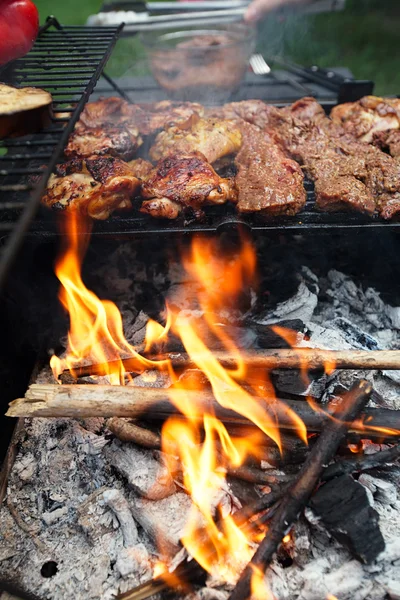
71, 495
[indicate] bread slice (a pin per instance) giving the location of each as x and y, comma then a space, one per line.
23, 110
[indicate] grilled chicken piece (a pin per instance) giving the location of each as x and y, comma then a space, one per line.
151, 117
184, 180
214, 138
121, 141
268, 182
95, 187
364, 118
106, 110
142, 168
146, 118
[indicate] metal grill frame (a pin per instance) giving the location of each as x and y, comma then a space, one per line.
67, 61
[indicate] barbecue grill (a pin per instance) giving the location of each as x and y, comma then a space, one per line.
30, 318
67, 62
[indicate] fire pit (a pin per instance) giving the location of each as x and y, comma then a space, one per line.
227, 427
115, 489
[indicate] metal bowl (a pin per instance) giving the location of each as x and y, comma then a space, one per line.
203, 65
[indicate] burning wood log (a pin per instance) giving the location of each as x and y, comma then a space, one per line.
80, 401
291, 358
300, 491
362, 463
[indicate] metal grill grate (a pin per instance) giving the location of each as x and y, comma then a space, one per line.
224, 217
67, 62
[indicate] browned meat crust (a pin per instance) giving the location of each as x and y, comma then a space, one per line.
187, 180
96, 187
142, 168
146, 118
388, 141
212, 137
268, 181
370, 115
118, 141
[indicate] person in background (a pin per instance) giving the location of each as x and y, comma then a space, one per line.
258, 8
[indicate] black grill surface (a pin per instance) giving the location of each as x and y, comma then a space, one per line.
67, 62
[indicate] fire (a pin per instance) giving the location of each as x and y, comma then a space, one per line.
96, 330
204, 446
259, 587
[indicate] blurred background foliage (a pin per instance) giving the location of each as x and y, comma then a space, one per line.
364, 37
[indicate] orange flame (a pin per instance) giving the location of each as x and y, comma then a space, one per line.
259, 588
96, 330
202, 443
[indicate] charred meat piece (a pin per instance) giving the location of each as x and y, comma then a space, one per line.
184, 180
96, 187
267, 181
120, 141
214, 138
370, 115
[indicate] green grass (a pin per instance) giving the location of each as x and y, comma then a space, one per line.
363, 38
69, 12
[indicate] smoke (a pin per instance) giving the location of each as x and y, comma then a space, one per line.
280, 32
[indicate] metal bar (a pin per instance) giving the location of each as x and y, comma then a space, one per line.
4, 172
116, 87
58, 61
27, 143
26, 156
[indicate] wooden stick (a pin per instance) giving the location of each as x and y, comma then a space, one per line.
80, 401
362, 463
300, 491
130, 432
292, 358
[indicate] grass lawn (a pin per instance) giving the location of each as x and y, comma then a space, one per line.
363, 38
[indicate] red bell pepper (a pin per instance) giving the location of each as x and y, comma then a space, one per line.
19, 25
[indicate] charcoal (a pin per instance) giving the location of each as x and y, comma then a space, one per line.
290, 381
355, 335
343, 506
267, 338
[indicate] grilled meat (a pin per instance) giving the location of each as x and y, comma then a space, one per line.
95, 187
388, 141
214, 138
105, 110
142, 168
366, 179
267, 181
370, 115
118, 141
146, 118
162, 208
184, 180
164, 114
